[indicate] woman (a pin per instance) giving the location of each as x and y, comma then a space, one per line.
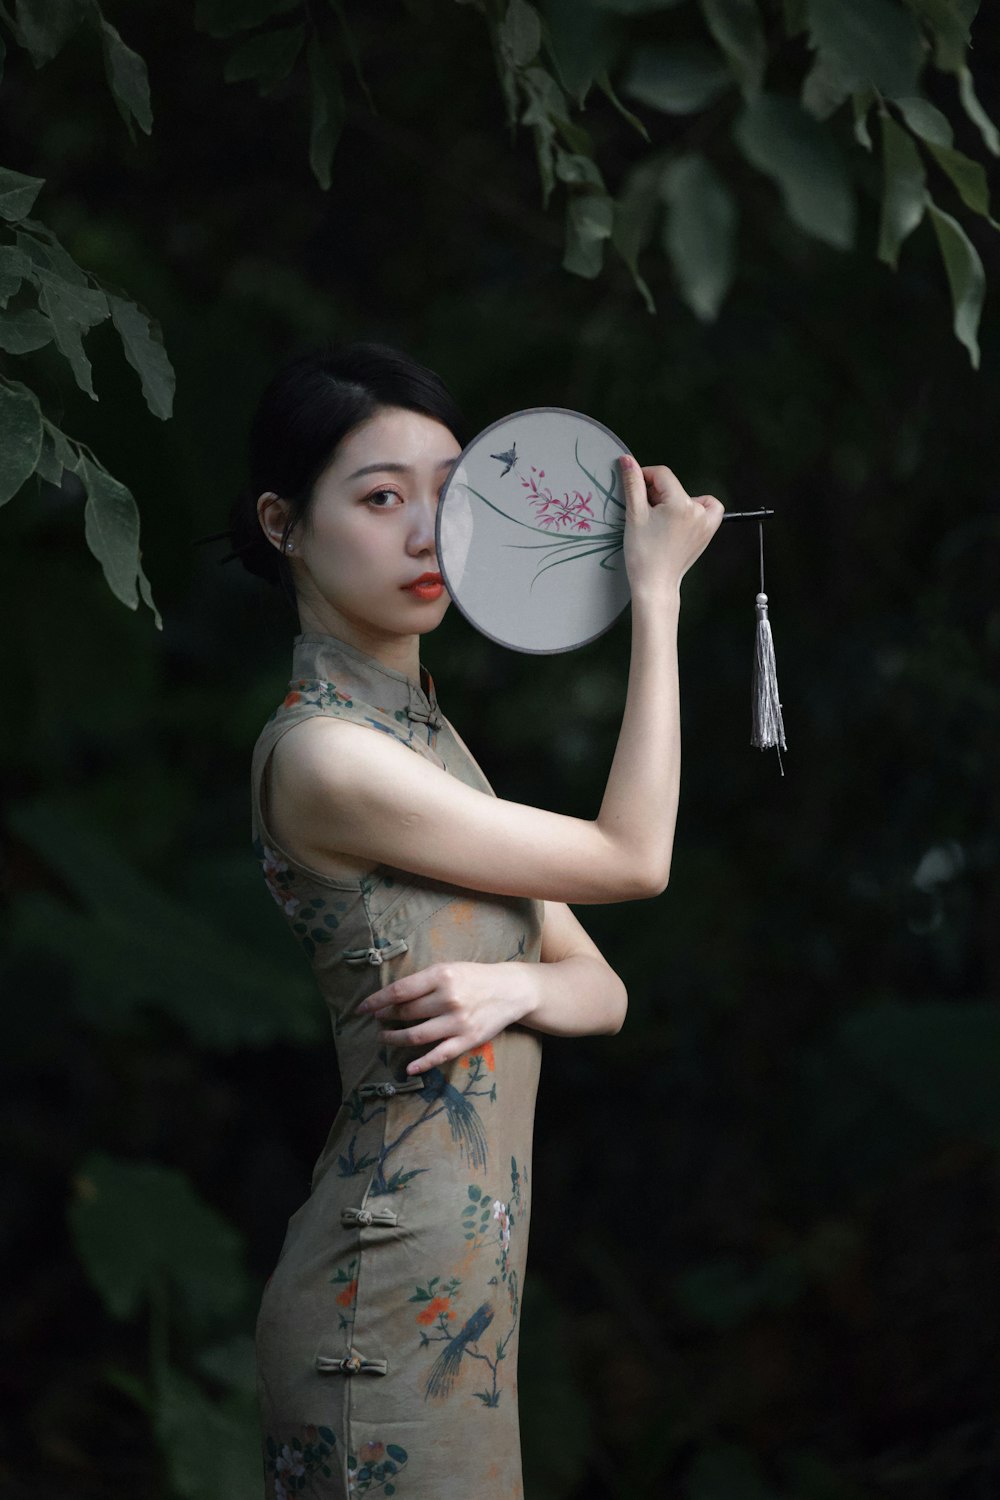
434, 917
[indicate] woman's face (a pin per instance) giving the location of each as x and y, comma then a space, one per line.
368, 540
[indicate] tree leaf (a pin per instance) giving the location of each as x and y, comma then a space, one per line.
71, 310
519, 34
36, 241
56, 454
18, 192
700, 233
232, 1363
215, 985
903, 196
862, 101
14, 267
142, 341
604, 84
327, 109
868, 41
968, 176
934, 129
950, 27
677, 81
221, 18
634, 216
580, 41
44, 26
825, 87
976, 113
139, 1228
966, 278
21, 430
111, 525
127, 78
546, 104
736, 26
574, 168
778, 138
925, 120
589, 220
22, 331
268, 57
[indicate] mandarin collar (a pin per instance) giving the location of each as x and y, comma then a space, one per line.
327, 657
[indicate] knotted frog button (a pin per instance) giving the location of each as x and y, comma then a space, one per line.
351, 1365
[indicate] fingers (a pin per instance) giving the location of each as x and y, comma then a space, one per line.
662, 485
714, 508
434, 1029
409, 987
648, 487
634, 488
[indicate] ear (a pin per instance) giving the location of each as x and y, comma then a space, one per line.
272, 513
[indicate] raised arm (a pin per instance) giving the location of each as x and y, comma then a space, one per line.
339, 789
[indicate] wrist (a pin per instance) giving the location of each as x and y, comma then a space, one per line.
525, 995
656, 597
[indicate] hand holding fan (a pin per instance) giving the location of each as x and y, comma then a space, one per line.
530, 530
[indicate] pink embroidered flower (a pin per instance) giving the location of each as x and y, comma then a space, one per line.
279, 877
287, 1466
501, 1214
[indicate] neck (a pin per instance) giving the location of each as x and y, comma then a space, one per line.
400, 652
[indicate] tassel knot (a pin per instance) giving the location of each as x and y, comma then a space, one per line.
768, 726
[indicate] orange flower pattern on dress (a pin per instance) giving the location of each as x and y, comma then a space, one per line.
436, 1305
345, 1278
485, 1052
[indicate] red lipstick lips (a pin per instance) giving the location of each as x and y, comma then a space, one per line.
427, 586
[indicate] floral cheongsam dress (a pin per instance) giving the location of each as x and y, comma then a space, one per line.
388, 1331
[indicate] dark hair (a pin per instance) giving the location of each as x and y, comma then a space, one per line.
305, 411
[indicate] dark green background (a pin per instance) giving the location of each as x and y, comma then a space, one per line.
763, 1250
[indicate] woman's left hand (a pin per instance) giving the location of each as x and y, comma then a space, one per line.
457, 1005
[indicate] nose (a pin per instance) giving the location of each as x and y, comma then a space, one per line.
421, 539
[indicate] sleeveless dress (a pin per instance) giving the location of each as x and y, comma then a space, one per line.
388, 1331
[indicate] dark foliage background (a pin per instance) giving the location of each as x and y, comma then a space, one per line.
763, 1258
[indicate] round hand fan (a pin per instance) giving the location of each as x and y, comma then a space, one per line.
529, 530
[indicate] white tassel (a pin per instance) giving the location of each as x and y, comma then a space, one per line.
768, 726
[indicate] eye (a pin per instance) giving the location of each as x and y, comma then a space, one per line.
384, 499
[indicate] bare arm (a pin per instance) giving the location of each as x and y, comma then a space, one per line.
338, 788
458, 1006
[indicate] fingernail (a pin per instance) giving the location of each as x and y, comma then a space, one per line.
626, 461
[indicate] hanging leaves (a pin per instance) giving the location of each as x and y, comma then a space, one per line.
966, 278
700, 233
143, 1233
781, 140
903, 196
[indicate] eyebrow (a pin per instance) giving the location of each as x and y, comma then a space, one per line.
445, 463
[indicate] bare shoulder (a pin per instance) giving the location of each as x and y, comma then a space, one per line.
326, 753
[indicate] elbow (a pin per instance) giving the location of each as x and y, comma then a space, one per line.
618, 1012
651, 880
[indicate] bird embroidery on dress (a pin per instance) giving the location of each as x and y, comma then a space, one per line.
444, 1371
463, 1117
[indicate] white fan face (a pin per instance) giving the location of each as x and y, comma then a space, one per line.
529, 530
